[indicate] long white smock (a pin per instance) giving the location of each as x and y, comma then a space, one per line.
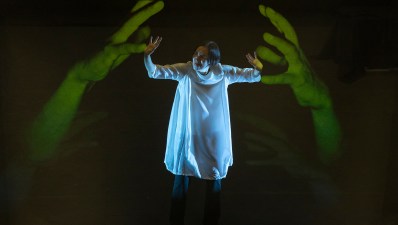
199, 134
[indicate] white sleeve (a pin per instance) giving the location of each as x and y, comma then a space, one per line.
239, 75
172, 72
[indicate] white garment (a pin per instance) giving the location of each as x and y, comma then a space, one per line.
199, 134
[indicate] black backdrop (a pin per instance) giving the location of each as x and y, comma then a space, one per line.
111, 171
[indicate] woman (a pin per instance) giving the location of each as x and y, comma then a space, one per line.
199, 133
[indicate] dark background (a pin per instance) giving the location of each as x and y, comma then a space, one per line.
110, 166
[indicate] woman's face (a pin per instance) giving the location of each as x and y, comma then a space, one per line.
200, 60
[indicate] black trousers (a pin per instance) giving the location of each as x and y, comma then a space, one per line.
212, 208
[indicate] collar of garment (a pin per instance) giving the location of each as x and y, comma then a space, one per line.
214, 75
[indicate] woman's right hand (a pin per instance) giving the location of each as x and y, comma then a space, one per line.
152, 45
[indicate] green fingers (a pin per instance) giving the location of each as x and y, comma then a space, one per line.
142, 34
277, 79
135, 21
124, 52
128, 48
287, 49
140, 4
270, 56
262, 10
118, 50
280, 23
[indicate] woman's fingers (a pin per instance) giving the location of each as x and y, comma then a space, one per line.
157, 41
249, 58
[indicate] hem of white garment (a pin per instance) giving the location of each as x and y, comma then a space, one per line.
193, 175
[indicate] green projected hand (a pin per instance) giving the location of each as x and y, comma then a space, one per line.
98, 67
55, 119
307, 87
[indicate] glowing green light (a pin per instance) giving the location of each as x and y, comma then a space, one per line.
55, 119
308, 89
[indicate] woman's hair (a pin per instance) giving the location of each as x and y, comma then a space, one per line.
214, 52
